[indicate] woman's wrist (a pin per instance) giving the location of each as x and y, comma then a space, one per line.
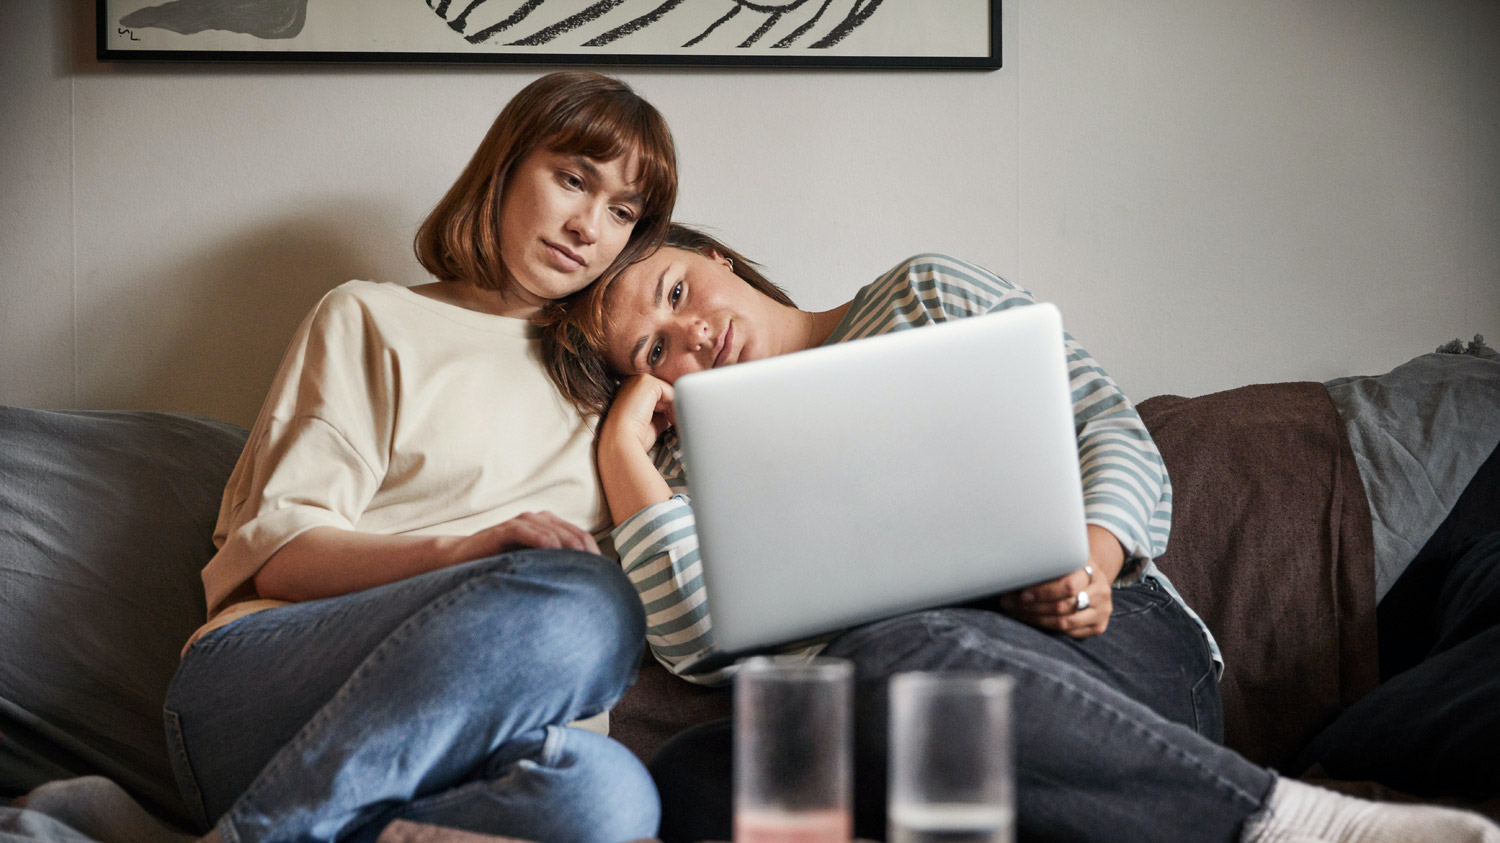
1106, 553
630, 479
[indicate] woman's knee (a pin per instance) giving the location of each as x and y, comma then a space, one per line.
558, 607
592, 609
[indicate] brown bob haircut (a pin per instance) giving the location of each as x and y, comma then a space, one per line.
574, 329
569, 112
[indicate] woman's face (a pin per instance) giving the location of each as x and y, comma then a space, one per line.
678, 312
563, 219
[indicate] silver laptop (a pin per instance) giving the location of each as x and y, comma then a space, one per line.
867, 479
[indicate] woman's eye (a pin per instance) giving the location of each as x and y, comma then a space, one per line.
570, 180
654, 355
677, 293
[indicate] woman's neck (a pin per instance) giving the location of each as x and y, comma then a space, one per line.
470, 296
818, 326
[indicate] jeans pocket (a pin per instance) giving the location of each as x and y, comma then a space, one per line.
182, 768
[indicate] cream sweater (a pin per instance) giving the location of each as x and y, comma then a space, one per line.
393, 413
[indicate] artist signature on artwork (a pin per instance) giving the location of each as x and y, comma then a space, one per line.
126, 32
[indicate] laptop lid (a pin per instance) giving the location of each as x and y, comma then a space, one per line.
850, 482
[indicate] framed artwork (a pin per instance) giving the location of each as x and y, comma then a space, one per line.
768, 33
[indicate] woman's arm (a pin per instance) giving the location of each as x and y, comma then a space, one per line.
1127, 495
1127, 501
327, 561
641, 412
656, 536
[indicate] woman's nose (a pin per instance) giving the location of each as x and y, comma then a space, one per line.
585, 223
698, 337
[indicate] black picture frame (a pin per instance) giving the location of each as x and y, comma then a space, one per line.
868, 34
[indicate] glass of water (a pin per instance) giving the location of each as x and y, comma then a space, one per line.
793, 733
952, 773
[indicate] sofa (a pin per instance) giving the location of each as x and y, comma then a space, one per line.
106, 519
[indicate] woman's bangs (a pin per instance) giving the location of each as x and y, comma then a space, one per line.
608, 132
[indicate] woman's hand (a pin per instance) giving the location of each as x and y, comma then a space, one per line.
529, 529
1055, 605
641, 412
328, 561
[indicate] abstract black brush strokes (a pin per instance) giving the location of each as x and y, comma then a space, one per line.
772, 33
701, 17
268, 19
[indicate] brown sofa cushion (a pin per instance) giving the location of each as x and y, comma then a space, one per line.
659, 705
1271, 544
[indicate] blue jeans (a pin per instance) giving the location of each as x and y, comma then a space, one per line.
1116, 735
441, 698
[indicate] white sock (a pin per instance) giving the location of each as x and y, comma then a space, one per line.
1301, 813
102, 810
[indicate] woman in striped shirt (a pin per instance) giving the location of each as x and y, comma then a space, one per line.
1116, 693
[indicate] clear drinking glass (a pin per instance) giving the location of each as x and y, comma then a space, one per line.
793, 733
951, 766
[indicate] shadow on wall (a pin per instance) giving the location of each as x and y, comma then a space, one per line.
232, 311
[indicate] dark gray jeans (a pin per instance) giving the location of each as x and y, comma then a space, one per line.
1117, 736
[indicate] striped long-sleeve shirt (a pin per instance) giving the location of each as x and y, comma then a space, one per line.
1125, 484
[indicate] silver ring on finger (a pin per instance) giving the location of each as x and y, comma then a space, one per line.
1081, 601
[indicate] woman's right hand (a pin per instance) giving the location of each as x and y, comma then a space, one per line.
640, 414
527, 530
328, 561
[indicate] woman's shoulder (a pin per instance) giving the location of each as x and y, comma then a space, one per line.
363, 296
347, 298
932, 287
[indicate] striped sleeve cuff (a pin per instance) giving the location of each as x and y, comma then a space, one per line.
659, 553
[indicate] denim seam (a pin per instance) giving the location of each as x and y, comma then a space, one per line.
189, 780
1195, 696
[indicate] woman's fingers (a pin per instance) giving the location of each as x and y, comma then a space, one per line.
641, 411
1057, 606
665, 416
561, 533
540, 530
1054, 597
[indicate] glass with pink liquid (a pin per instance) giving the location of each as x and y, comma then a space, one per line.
793, 734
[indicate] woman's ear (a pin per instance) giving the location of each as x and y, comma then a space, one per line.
720, 258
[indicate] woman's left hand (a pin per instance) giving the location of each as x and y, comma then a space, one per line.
1059, 605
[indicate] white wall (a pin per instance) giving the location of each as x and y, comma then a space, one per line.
1217, 193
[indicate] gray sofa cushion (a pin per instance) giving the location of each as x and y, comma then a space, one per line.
106, 519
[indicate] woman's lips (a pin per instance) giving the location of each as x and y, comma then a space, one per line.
565, 258
724, 343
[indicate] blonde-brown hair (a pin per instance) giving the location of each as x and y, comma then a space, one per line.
569, 112
574, 329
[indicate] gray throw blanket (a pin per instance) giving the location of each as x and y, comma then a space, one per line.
1419, 432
